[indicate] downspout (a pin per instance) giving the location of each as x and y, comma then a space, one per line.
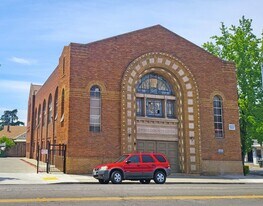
32, 124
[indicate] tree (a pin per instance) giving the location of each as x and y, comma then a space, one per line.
9, 142
10, 118
240, 45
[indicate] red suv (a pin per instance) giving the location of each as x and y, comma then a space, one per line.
136, 166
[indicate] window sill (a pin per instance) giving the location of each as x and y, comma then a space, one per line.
155, 119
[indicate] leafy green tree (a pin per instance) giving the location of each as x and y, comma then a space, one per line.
10, 118
240, 45
9, 142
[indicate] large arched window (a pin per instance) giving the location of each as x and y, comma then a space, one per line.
95, 109
154, 84
155, 98
218, 117
39, 115
49, 117
44, 113
56, 105
62, 105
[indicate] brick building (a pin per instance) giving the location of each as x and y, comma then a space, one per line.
148, 90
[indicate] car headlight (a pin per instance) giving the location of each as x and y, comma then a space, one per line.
104, 168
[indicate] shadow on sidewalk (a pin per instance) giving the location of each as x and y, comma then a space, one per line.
7, 178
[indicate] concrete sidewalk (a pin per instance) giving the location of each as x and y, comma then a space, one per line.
60, 178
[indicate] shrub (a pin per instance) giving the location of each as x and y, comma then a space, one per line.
246, 170
9, 142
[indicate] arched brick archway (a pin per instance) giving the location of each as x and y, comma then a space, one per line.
188, 121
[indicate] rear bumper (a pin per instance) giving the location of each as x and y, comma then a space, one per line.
101, 174
168, 172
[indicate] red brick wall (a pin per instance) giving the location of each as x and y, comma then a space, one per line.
45, 133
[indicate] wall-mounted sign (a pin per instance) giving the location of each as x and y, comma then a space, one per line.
232, 127
220, 151
44, 151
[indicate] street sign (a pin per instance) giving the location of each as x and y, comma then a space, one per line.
44, 151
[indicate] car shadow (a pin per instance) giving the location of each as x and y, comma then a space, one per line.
7, 178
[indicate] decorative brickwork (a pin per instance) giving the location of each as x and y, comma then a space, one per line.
186, 92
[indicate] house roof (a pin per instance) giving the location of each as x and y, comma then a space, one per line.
20, 138
14, 131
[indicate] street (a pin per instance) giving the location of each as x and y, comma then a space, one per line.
132, 194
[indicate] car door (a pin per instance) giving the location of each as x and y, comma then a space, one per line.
148, 166
132, 168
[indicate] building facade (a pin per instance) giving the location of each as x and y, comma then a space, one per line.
148, 90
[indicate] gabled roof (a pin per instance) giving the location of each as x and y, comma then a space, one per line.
155, 30
20, 138
14, 131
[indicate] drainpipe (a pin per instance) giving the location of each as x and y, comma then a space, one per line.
32, 123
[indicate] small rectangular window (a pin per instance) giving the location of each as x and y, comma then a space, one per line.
139, 107
94, 128
154, 108
170, 108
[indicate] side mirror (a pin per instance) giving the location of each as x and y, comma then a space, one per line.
128, 161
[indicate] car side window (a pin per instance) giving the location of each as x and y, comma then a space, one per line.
147, 158
160, 158
134, 159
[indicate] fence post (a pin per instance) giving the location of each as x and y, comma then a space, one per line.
37, 158
64, 156
48, 151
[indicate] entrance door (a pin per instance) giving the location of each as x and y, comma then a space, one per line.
168, 148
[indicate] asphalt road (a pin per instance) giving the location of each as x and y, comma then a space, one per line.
132, 194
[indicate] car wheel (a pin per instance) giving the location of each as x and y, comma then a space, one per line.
159, 177
116, 177
145, 181
104, 181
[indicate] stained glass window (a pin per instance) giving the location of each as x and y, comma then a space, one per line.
170, 108
154, 84
154, 108
139, 106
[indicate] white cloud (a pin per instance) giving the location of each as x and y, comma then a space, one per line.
23, 60
12, 85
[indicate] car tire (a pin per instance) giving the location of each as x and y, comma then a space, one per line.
159, 177
103, 181
145, 181
116, 177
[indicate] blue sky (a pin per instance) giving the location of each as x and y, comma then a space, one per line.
34, 32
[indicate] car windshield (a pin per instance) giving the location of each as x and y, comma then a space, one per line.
120, 159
